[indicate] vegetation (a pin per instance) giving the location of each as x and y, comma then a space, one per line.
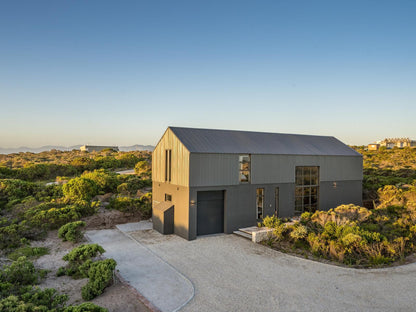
83, 263
71, 231
31, 205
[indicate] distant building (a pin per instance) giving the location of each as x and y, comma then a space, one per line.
373, 146
95, 148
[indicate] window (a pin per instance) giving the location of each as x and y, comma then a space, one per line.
244, 169
168, 165
306, 189
260, 202
168, 197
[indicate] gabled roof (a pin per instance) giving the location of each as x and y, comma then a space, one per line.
246, 142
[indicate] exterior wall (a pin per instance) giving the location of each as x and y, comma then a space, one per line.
180, 160
240, 204
222, 169
343, 192
180, 200
94, 148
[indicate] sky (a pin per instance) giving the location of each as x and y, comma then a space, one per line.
121, 72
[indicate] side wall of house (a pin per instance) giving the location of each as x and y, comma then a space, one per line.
340, 183
178, 187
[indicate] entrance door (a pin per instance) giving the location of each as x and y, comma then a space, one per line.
276, 200
210, 212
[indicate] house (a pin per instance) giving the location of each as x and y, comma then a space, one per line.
373, 146
398, 142
217, 181
95, 148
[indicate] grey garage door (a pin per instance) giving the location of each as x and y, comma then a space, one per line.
210, 212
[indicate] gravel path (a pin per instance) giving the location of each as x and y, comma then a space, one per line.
230, 273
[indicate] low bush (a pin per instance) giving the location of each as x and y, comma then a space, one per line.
100, 276
85, 307
105, 180
128, 204
28, 252
80, 258
71, 231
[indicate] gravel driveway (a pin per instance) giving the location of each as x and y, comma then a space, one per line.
230, 273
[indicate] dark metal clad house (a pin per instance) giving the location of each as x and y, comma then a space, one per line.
216, 181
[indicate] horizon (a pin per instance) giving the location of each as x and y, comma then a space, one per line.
120, 73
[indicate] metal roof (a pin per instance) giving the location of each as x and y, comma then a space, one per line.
246, 142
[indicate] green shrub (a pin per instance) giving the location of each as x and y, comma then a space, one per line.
21, 272
28, 252
143, 168
100, 276
13, 191
53, 215
71, 231
80, 189
299, 232
105, 180
128, 204
85, 307
80, 258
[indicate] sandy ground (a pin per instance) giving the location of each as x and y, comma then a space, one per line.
230, 273
118, 297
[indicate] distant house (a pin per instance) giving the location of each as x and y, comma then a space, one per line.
392, 142
96, 148
373, 146
216, 181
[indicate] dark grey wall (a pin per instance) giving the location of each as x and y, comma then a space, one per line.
343, 192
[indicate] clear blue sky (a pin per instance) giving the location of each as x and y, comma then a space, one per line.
120, 72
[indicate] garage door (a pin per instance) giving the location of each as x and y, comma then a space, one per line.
210, 212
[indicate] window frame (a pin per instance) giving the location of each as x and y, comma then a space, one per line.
261, 196
307, 179
168, 165
241, 168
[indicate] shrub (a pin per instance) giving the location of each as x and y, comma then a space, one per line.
28, 252
13, 191
21, 272
299, 232
128, 204
143, 168
80, 189
85, 307
100, 276
105, 180
71, 231
128, 160
80, 257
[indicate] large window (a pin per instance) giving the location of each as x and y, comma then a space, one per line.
168, 165
307, 189
260, 202
245, 167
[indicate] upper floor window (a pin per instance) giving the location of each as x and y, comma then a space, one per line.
245, 168
168, 165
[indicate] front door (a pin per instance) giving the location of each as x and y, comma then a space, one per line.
276, 205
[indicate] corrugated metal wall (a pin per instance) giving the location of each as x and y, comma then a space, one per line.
213, 169
281, 168
222, 169
180, 160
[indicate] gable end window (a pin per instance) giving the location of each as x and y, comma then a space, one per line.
168, 165
245, 168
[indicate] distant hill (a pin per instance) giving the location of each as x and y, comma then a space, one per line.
135, 147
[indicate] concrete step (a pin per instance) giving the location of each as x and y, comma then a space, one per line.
243, 234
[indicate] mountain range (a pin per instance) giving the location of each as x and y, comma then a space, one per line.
136, 147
